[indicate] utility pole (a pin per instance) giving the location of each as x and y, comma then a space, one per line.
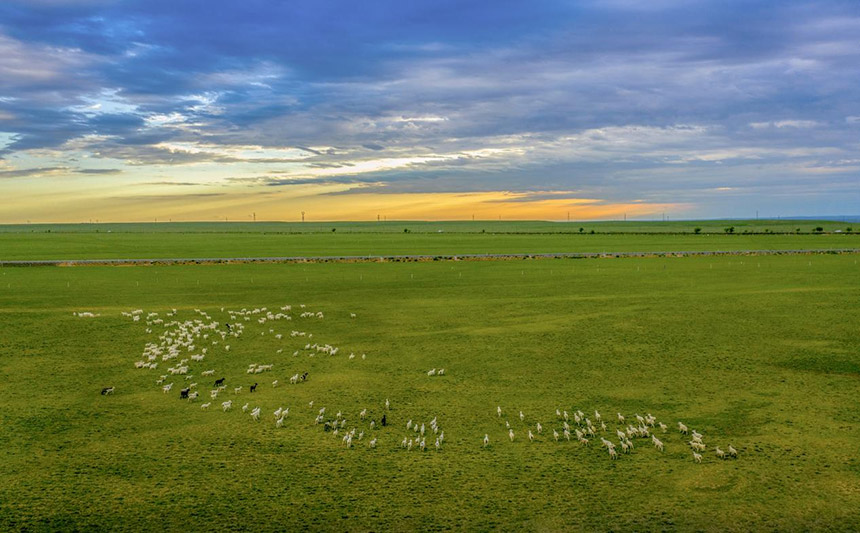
568, 216
255, 217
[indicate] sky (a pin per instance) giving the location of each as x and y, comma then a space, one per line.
145, 110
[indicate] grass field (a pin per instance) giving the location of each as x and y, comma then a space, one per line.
419, 226
757, 352
25, 246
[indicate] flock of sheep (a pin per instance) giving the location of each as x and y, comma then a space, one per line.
183, 346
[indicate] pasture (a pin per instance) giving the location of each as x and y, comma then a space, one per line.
757, 352
250, 243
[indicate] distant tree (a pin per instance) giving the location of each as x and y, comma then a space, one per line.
405, 230
818, 229
333, 230
697, 230
592, 232
848, 229
797, 230
581, 230
730, 229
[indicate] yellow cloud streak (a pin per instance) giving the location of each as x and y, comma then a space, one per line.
204, 203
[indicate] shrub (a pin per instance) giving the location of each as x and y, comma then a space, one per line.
730, 229
697, 230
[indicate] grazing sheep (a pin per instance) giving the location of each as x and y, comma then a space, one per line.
238, 389
363, 414
373, 442
205, 405
657, 443
193, 396
531, 436
682, 428
165, 389
620, 418
697, 457
183, 393
486, 440
227, 405
539, 428
613, 454
511, 434
522, 416
733, 452
720, 453
555, 435
219, 382
499, 410
253, 388
107, 390
275, 383
387, 405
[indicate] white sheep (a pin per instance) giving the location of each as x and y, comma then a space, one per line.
486, 440
499, 410
205, 405
697, 457
511, 434
733, 452
227, 405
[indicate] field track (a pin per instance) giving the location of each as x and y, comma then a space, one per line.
412, 258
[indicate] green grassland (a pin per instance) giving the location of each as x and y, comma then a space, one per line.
759, 352
103, 245
421, 226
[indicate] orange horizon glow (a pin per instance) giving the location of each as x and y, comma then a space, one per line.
321, 204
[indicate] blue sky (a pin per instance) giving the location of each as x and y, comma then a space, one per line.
131, 110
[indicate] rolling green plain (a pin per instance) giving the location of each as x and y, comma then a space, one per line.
207, 240
760, 352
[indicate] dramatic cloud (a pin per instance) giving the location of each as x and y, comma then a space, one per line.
712, 108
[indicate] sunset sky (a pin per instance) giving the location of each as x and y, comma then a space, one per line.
221, 109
